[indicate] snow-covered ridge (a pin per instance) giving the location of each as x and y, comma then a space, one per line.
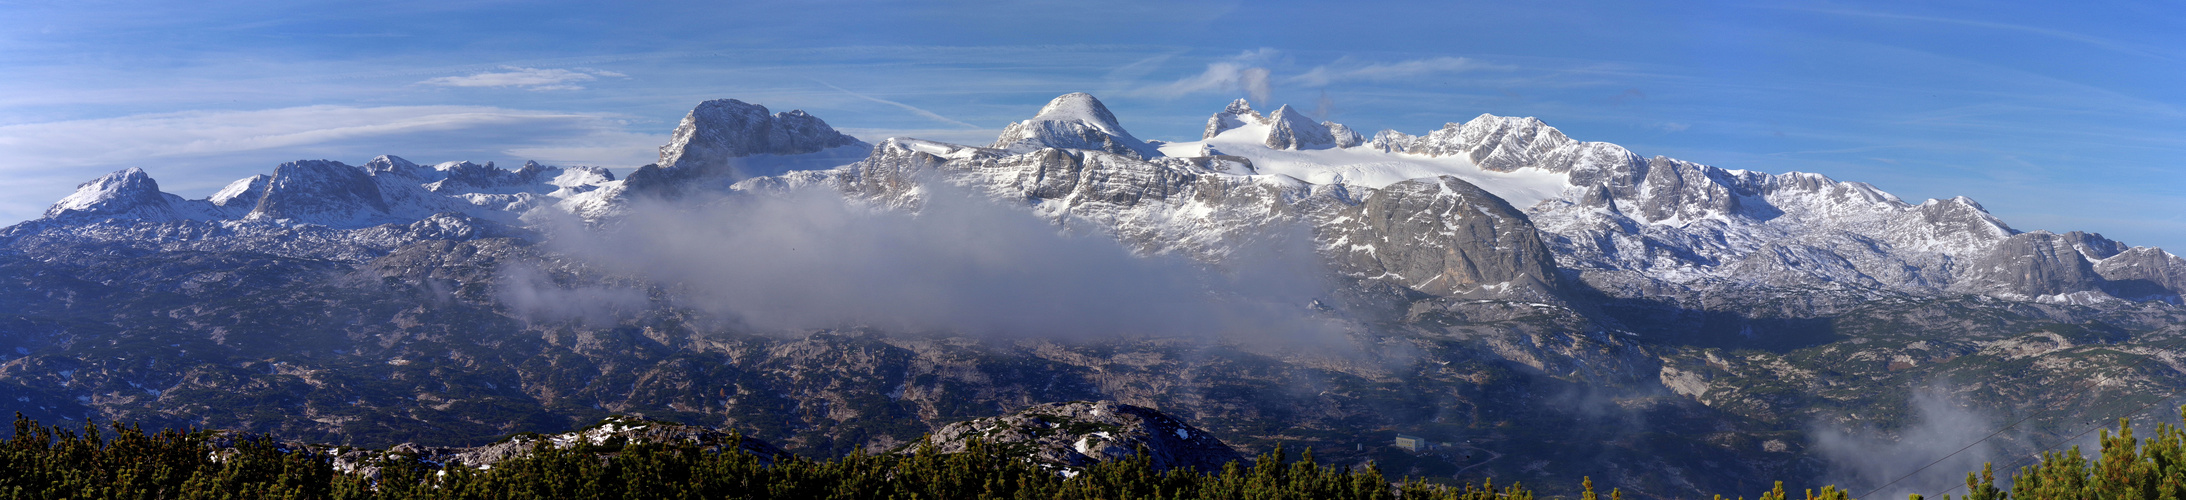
1624, 224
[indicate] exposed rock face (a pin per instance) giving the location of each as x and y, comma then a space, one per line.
126, 194
1445, 237
1290, 129
241, 196
716, 138
721, 129
1238, 114
2036, 263
1495, 143
321, 190
2144, 273
1345, 137
1074, 121
1391, 141
1441, 236
1078, 434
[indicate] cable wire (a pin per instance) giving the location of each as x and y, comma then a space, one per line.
2090, 386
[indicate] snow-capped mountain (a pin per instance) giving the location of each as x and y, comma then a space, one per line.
328, 209
1491, 273
1494, 207
1622, 224
720, 142
1074, 121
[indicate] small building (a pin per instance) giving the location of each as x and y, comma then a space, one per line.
1413, 444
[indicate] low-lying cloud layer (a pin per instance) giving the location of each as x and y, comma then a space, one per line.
813, 260
1863, 461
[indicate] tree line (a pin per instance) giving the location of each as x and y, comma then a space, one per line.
127, 462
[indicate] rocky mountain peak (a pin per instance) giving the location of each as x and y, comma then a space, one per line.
721, 129
1345, 137
1498, 143
124, 193
391, 163
2037, 263
321, 192
1392, 141
720, 139
1446, 237
1290, 129
244, 193
1240, 107
1237, 114
1074, 121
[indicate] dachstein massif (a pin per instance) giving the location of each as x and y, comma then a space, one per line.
1532, 307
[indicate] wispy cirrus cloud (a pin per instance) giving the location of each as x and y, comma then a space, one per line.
1350, 71
526, 78
158, 136
906, 107
1246, 72
2090, 40
1250, 73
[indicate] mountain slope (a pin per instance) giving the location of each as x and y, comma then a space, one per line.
1532, 303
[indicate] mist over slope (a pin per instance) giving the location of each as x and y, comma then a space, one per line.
1535, 305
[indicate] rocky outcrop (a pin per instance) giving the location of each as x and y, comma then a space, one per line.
2144, 274
1238, 114
715, 140
1290, 129
321, 191
128, 194
721, 129
1073, 435
1442, 236
1391, 141
1498, 143
2037, 263
1345, 137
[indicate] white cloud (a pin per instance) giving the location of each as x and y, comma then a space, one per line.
1244, 72
1341, 71
963, 263
139, 138
526, 78
913, 109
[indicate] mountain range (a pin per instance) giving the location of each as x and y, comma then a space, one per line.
1546, 306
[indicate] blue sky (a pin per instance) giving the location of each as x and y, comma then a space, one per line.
2059, 116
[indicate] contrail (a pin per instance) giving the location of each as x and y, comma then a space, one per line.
913, 109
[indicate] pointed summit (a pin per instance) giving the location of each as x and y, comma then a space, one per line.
1241, 107
1074, 121
1238, 114
1290, 129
